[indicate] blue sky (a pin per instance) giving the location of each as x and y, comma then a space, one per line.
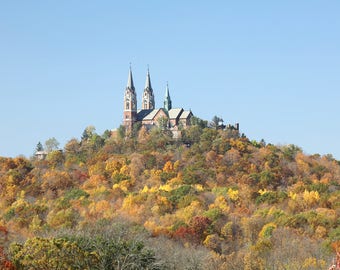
272, 66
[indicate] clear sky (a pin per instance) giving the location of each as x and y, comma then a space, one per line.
272, 66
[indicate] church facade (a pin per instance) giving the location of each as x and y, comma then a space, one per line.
148, 115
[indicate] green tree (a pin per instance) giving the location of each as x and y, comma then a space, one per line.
121, 132
95, 251
192, 134
107, 134
39, 147
195, 121
216, 122
54, 253
163, 123
51, 144
119, 254
88, 133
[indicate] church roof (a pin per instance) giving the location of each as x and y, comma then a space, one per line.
152, 114
149, 115
175, 113
185, 114
141, 114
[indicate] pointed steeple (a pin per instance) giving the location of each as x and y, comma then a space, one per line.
130, 81
148, 81
167, 101
148, 100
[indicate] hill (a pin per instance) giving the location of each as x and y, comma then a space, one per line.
211, 200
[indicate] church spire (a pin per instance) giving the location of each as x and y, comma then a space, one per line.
148, 101
148, 81
130, 81
130, 103
167, 101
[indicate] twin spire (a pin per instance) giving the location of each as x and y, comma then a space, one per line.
148, 99
130, 81
148, 81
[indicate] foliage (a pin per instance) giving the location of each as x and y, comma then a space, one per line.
55, 253
242, 204
51, 144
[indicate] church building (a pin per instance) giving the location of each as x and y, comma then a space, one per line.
150, 116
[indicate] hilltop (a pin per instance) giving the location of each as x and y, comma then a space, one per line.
212, 199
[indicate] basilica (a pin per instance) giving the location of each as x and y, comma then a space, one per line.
148, 116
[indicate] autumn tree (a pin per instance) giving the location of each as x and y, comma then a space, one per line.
55, 158
5, 263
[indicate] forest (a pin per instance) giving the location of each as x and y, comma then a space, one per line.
213, 199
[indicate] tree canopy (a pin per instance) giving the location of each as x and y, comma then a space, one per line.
211, 199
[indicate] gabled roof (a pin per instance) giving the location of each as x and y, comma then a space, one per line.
185, 114
175, 113
141, 114
152, 114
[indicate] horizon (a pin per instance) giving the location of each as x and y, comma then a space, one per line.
271, 67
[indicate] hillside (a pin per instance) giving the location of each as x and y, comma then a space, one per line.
212, 200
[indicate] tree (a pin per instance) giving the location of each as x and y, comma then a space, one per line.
55, 158
199, 225
192, 134
162, 123
195, 121
51, 144
59, 253
5, 263
94, 251
120, 254
88, 133
121, 132
39, 147
72, 147
216, 122
107, 134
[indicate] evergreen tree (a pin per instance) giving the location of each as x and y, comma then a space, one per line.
39, 147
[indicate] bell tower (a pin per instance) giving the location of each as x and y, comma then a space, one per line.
130, 103
148, 100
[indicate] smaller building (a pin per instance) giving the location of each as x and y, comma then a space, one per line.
41, 155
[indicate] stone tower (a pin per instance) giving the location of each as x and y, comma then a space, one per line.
167, 101
148, 100
130, 104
